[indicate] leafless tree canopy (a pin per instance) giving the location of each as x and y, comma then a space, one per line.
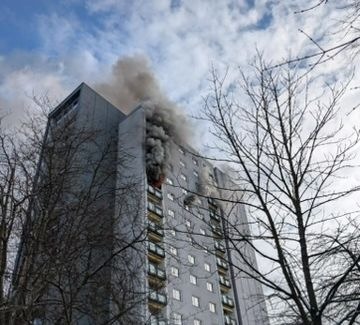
289, 151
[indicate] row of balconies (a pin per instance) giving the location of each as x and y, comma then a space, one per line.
157, 275
156, 254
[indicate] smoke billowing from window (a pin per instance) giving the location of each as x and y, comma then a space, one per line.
132, 83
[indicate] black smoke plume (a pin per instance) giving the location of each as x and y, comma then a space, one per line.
133, 83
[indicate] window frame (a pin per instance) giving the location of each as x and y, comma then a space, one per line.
176, 294
193, 277
207, 267
195, 301
176, 273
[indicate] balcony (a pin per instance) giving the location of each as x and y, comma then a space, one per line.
157, 301
214, 216
228, 303
155, 212
155, 231
220, 248
157, 276
216, 230
156, 321
155, 193
229, 320
212, 202
225, 284
222, 265
156, 252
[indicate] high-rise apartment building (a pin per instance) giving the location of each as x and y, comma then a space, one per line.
165, 241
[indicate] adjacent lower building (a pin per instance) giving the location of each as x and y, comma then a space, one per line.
156, 252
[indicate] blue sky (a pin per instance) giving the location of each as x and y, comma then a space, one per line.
49, 47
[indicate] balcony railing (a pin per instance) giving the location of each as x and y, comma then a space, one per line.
156, 321
212, 201
219, 247
155, 209
229, 320
227, 300
154, 191
224, 281
214, 216
156, 271
157, 297
155, 228
216, 230
220, 262
156, 249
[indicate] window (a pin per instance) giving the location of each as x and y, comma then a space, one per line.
202, 231
195, 162
188, 223
170, 196
184, 191
174, 271
177, 319
197, 322
193, 279
182, 164
207, 267
209, 286
183, 177
181, 151
176, 294
173, 250
195, 301
172, 232
196, 174
191, 259
212, 307
187, 207
171, 213
169, 181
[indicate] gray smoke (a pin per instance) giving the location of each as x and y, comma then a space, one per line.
206, 185
132, 83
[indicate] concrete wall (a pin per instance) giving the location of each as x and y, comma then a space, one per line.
129, 268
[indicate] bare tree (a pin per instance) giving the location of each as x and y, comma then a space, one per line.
288, 152
343, 35
59, 214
